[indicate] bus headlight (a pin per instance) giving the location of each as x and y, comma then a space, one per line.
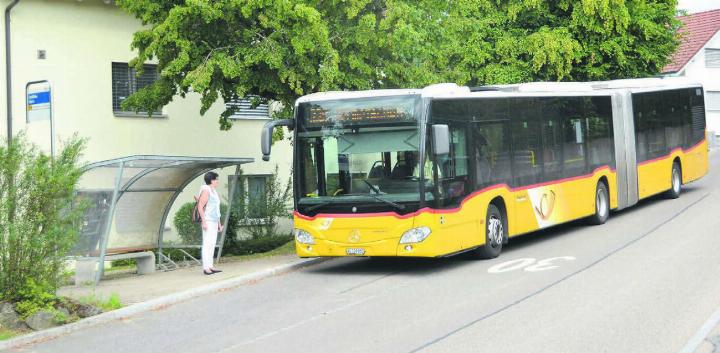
415, 235
303, 236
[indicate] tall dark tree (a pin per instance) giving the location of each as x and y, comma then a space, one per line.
281, 49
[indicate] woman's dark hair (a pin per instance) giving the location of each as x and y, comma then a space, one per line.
209, 177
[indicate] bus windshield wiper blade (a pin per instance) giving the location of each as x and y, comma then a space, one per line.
315, 207
396, 205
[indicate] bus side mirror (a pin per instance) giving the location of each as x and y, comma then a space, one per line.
267, 132
441, 139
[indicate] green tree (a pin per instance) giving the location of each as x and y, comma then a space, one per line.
281, 49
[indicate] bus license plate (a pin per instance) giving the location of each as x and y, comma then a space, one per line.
355, 251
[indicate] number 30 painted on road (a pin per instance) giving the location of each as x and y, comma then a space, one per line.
528, 264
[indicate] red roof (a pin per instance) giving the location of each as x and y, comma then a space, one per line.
697, 30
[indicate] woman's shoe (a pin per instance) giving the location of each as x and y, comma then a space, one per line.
214, 270
208, 273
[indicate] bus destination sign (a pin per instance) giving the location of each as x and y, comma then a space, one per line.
320, 116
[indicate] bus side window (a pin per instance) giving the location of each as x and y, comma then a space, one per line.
598, 120
525, 127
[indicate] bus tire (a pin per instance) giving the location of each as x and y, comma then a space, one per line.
675, 182
602, 204
495, 234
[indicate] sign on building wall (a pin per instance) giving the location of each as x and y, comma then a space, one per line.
39, 101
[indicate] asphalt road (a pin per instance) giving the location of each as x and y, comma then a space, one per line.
646, 281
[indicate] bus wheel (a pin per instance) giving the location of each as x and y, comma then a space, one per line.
675, 182
495, 228
602, 204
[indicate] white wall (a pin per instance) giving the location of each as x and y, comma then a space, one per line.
81, 40
710, 78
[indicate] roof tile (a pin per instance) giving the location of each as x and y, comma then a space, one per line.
697, 30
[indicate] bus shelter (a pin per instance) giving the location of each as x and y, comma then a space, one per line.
130, 199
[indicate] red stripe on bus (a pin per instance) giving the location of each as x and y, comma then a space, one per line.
451, 210
676, 149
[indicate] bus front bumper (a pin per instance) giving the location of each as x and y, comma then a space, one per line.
387, 247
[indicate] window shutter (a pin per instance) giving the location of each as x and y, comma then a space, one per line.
120, 84
243, 109
712, 57
125, 82
712, 100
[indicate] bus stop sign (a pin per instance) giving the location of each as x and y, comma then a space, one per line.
39, 103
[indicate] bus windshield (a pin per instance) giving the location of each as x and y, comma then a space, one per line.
358, 152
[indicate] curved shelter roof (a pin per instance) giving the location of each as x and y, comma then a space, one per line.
130, 199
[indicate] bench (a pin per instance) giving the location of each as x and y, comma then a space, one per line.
86, 267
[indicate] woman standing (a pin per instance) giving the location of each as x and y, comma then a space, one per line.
209, 209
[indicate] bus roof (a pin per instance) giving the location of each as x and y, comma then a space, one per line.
449, 90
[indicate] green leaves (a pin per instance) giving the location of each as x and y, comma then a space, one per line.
282, 49
38, 225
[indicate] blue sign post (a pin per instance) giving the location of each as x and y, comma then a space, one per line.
38, 98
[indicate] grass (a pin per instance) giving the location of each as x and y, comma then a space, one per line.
7, 334
111, 303
285, 249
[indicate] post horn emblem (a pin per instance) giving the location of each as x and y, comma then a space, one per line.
354, 236
547, 203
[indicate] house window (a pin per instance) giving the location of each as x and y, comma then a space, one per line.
712, 100
253, 201
712, 57
243, 109
125, 82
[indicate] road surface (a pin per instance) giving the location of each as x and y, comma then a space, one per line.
646, 281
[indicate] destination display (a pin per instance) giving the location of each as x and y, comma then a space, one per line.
366, 111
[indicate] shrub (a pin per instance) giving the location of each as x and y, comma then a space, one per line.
266, 211
34, 297
39, 217
190, 232
257, 246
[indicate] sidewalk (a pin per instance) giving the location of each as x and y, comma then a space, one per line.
133, 288
149, 292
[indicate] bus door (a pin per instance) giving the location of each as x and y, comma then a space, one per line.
489, 145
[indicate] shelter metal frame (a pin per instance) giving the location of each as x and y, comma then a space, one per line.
201, 166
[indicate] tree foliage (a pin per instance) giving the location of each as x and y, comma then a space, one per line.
281, 49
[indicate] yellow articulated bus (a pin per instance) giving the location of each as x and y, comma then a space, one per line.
446, 169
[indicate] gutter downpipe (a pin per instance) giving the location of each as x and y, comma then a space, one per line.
8, 74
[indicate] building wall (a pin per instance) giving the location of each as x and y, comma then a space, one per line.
710, 78
81, 40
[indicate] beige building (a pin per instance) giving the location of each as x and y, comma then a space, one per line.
82, 47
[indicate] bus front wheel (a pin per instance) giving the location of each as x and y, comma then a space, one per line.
675, 181
495, 233
602, 204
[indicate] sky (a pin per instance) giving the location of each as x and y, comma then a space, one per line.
694, 6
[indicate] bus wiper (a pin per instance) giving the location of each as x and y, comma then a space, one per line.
315, 207
373, 187
393, 204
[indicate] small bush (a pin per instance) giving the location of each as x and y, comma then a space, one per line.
259, 217
257, 246
35, 297
40, 219
191, 233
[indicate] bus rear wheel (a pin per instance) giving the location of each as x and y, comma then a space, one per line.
675, 182
495, 233
602, 204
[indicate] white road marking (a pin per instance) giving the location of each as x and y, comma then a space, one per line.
511, 265
546, 264
528, 264
699, 336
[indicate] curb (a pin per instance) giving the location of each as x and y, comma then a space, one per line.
153, 304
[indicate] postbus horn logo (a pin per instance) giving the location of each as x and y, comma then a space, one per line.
354, 236
546, 206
